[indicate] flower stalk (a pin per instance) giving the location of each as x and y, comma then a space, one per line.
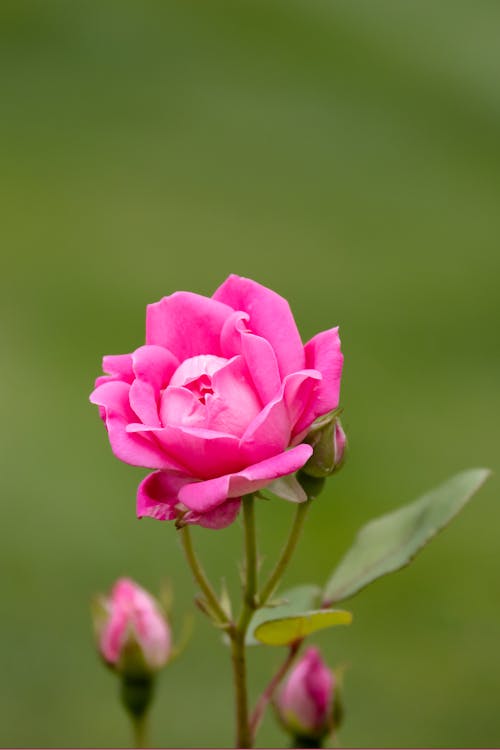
286, 553
244, 738
246, 725
201, 578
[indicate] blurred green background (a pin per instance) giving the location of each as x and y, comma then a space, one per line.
346, 154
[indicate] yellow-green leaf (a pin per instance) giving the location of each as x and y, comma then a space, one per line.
294, 601
286, 630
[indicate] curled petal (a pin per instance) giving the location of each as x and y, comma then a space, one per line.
323, 354
187, 324
143, 401
197, 451
157, 495
180, 407
154, 365
218, 518
203, 496
234, 402
257, 352
271, 430
118, 366
135, 449
269, 316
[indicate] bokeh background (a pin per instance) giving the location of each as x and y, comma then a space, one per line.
346, 154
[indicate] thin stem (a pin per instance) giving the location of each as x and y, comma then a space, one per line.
287, 552
141, 730
200, 577
238, 635
249, 601
243, 734
268, 693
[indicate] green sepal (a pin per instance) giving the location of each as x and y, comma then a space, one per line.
321, 437
312, 486
137, 693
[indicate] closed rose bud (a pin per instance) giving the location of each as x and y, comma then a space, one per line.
340, 442
328, 441
132, 633
305, 703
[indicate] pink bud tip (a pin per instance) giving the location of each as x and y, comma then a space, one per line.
305, 703
134, 616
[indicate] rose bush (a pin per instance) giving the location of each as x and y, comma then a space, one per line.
218, 401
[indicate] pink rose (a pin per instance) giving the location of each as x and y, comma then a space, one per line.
305, 702
219, 400
129, 619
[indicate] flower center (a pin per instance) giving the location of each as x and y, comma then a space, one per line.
211, 393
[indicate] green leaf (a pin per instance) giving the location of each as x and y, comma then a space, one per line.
292, 602
390, 542
287, 630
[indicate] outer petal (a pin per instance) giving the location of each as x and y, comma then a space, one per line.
135, 449
218, 518
119, 366
323, 354
197, 451
157, 495
203, 496
270, 317
187, 324
270, 432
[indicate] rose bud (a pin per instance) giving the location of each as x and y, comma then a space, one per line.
305, 704
132, 633
328, 441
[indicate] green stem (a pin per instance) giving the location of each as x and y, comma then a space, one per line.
244, 737
200, 577
268, 694
141, 730
287, 552
243, 734
249, 600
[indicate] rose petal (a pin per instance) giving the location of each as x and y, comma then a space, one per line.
118, 366
187, 324
203, 496
154, 365
271, 430
258, 353
199, 452
270, 317
135, 449
234, 403
157, 495
143, 401
218, 518
181, 407
323, 354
